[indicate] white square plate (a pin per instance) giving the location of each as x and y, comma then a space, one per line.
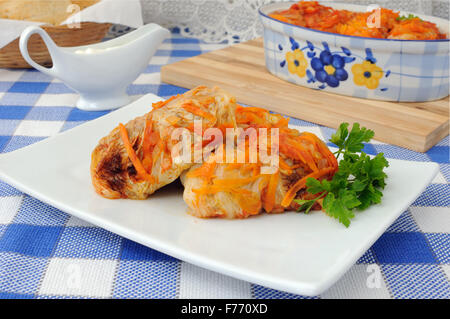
298, 253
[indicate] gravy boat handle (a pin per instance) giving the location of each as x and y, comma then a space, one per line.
51, 46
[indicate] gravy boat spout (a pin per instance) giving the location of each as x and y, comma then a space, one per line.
100, 72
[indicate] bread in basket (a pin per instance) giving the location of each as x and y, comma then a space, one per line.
52, 13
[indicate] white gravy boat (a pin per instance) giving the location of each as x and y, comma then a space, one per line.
100, 72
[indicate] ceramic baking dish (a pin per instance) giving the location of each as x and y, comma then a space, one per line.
382, 69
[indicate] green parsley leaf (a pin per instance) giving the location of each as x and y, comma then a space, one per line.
307, 204
351, 142
357, 136
341, 134
359, 181
341, 206
315, 186
408, 17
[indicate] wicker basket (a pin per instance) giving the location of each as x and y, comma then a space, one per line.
88, 33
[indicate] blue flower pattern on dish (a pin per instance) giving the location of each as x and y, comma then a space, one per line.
328, 68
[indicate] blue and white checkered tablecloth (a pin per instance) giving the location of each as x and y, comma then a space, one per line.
44, 251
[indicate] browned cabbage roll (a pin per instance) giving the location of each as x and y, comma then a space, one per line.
135, 159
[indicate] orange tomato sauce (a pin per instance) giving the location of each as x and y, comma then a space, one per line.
387, 25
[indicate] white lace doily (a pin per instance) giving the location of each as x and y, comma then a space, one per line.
237, 20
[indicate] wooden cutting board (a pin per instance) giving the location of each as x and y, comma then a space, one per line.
240, 70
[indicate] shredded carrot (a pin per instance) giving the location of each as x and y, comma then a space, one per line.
332, 161
172, 119
147, 160
166, 159
283, 122
280, 17
249, 203
234, 182
232, 166
219, 185
142, 173
223, 127
256, 170
190, 127
285, 166
294, 149
206, 101
151, 139
190, 107
160, 104
206, 170
269, 200
198, 89
258, 110
301, 183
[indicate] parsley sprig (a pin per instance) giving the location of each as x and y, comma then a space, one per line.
358, 182
408, 17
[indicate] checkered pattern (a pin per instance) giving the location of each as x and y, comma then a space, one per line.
45, 253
